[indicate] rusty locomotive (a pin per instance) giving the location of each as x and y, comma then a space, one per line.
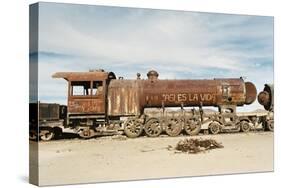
100, 104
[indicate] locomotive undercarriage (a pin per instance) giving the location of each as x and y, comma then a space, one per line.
172, 123
88, 127
195, 121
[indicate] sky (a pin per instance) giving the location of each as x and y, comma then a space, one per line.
126, 41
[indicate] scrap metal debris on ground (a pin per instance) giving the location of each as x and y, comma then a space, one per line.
197, 145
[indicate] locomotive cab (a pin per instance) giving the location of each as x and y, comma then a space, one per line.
87, 92
86, 96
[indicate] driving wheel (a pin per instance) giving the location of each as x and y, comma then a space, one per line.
133, 128
214, 127
173, 127
153, 127
192, 126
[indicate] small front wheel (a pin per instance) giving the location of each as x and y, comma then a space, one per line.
245, 126
214, 127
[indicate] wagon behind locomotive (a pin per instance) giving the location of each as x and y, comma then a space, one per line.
49, 117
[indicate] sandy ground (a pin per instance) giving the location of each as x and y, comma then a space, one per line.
117, 158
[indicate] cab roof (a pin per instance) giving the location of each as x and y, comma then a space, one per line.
84, 76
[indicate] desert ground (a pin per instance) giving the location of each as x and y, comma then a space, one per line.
117, 158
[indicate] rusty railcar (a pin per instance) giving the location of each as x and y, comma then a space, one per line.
266, 99
50, 117
100, 104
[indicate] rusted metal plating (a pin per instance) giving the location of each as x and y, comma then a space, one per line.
266, 97
127, 97
173, 93
130, 97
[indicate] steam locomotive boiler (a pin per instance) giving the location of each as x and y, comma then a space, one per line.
100, 104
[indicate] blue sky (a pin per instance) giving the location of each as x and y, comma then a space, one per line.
178, 44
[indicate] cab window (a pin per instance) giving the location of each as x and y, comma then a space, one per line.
97, 88
80, 88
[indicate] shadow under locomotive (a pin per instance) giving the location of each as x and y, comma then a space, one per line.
98, 104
